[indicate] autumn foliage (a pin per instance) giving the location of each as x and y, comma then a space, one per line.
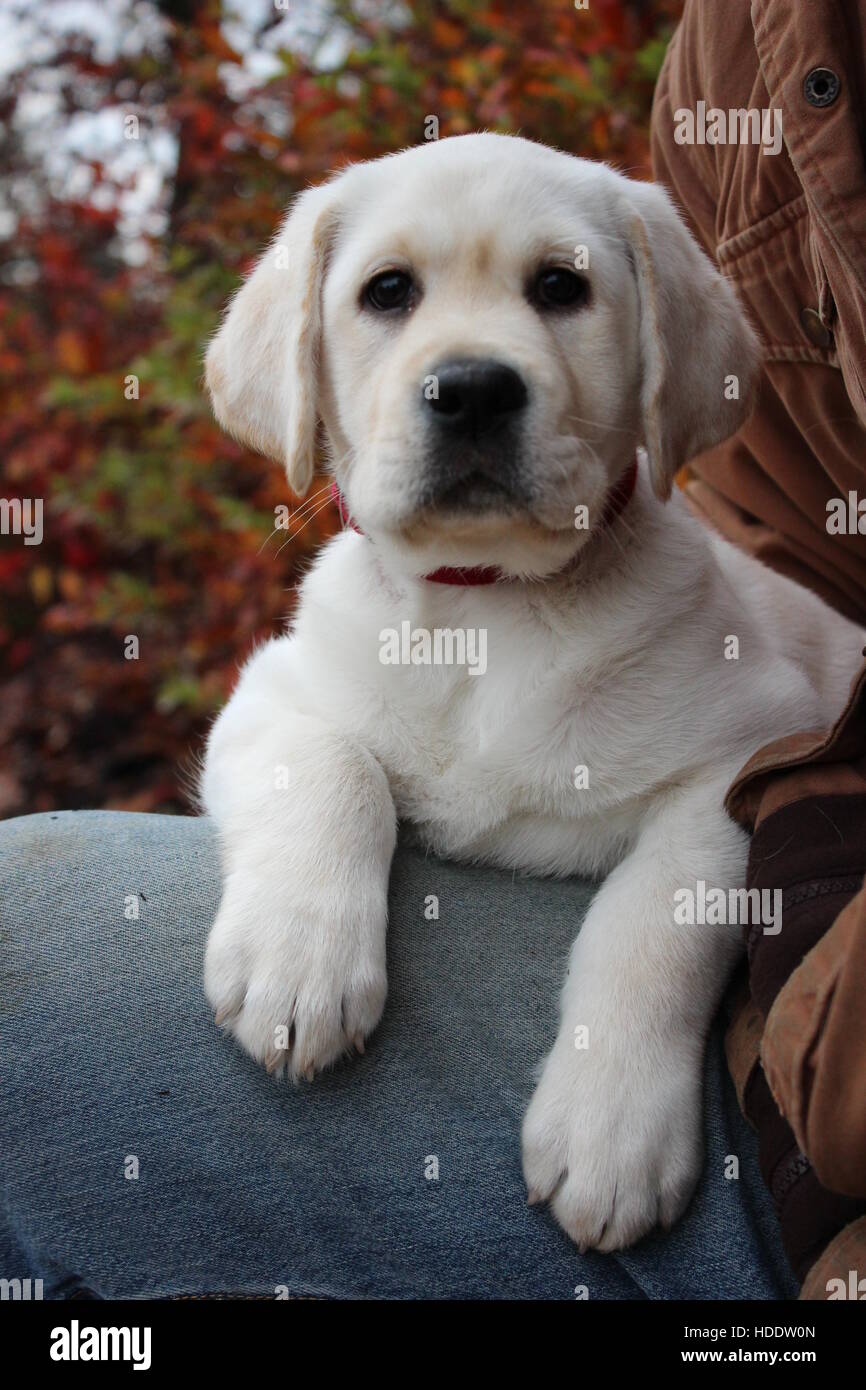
155, 523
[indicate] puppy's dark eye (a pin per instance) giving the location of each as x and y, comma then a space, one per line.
558, 288
392, 289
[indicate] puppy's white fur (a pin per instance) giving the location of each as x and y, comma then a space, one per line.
607, 649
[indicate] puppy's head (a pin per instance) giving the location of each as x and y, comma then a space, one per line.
487, 329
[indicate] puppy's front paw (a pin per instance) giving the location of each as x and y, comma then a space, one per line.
613, 1142
299, 980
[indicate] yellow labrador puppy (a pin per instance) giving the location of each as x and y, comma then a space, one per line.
519, 644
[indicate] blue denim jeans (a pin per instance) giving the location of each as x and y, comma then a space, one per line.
144, 1155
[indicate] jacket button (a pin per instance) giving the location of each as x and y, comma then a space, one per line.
816, 331
821, 87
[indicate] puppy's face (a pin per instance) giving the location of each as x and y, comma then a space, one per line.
487, 329
477, 386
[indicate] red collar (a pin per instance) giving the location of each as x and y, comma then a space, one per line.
617, 500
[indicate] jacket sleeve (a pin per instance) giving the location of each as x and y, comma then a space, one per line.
804, 799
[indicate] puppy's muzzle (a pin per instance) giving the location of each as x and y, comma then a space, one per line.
474, 413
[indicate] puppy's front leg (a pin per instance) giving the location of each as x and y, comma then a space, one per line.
295, 962
613, 1134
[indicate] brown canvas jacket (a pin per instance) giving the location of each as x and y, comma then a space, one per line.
789, 229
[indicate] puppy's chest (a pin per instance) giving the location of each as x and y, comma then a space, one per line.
468, 752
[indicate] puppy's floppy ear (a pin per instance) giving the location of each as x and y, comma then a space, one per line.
700, 357
261, 367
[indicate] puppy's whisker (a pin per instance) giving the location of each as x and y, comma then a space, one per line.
313, 512
612, 530
311, 501
311, 517
311, 507
294, 516
630, 531
267, 538
598, 424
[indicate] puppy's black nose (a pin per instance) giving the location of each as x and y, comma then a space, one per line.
475, 393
